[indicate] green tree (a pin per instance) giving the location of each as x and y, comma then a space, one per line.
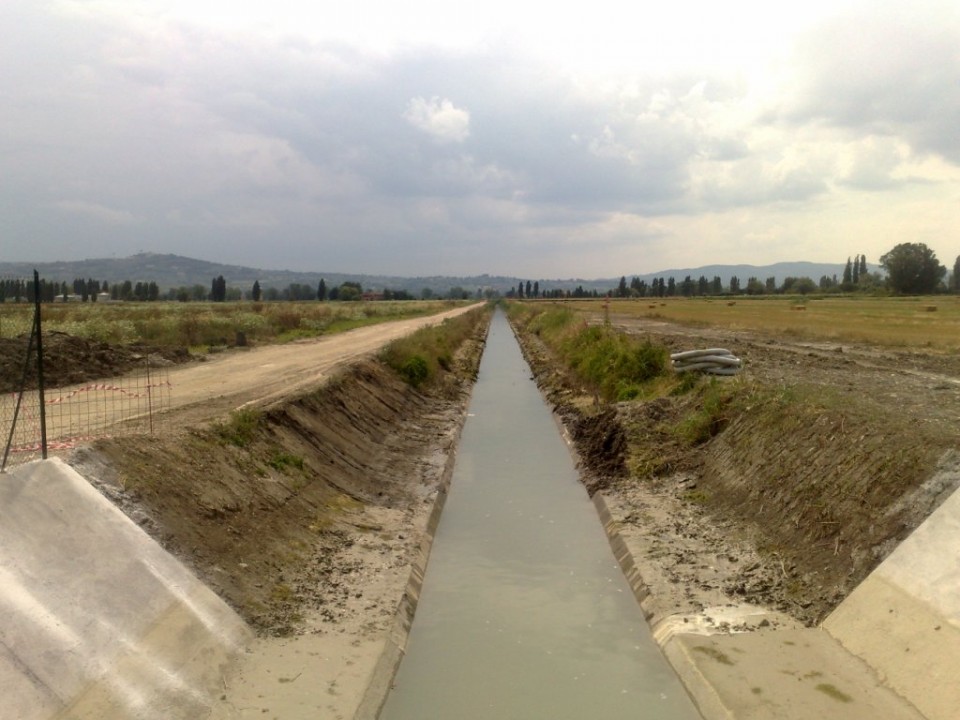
848, 275
755, 287
322, 289
218, 289
350, 291
804, 286
956, 275
912, 269
255, 293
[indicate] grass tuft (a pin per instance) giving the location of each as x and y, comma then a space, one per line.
240, 429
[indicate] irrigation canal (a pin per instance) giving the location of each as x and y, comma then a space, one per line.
524, 613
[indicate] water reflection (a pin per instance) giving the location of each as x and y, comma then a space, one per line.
524, 613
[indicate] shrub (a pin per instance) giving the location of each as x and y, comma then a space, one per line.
415, 370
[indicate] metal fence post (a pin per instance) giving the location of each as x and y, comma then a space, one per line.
37, 326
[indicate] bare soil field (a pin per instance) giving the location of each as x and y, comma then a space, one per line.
831, 454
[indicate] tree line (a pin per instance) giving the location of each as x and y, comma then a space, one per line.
90, 290
911, 269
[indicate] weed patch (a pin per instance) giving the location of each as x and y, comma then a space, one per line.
617, 366
240, 429
709, 416
282, 461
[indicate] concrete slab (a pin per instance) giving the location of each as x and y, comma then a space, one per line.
904, 619
782, 675
96, 619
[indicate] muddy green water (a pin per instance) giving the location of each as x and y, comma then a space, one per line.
524, 613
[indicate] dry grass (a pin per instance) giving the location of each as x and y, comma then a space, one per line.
923, 322
200, 325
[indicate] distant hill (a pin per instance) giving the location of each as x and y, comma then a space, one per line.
780, 271
173, 271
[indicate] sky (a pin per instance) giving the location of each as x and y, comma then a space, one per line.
518, 138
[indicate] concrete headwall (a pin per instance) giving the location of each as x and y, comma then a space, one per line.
904, 619
96, 619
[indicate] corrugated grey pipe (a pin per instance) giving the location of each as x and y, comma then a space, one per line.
713, 361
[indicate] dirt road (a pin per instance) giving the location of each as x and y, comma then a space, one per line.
268, 373
202, 391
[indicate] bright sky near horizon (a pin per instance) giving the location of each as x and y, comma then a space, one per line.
426, 138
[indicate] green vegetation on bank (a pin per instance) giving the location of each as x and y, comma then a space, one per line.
423, 357
617, 366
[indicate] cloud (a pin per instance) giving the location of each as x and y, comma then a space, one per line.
890, 72
282, 148
439, 118
97, 212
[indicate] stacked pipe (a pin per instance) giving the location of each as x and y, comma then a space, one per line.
713, 361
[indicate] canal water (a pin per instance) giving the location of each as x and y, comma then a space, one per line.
524, 613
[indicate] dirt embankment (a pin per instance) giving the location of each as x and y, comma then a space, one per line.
283, 510
69, 360
822, 459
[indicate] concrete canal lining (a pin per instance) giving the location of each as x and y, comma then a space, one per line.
904, 619
889, 650
96, 619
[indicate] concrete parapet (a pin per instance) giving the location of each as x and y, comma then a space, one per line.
904, 619
888, 651
783, 675
96, 619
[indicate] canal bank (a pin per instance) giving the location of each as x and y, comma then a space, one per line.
693, 570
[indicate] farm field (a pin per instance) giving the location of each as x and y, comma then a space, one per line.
200, 326
920, 322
